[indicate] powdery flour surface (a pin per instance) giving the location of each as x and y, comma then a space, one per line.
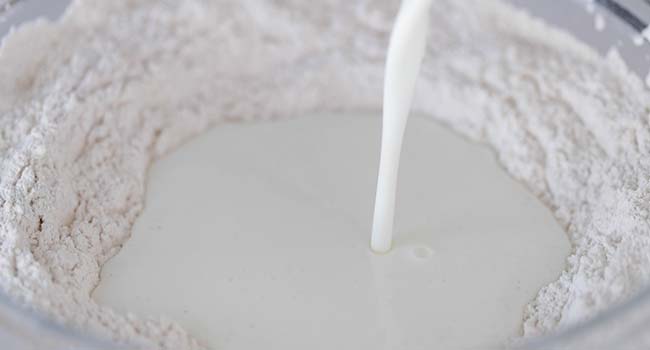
88, 103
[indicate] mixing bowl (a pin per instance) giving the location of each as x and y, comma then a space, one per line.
623, 326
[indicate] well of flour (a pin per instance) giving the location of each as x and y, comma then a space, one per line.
256, 236
87, 103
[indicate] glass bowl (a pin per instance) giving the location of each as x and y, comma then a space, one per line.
623, 326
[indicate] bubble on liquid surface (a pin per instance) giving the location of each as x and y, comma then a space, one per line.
422, 252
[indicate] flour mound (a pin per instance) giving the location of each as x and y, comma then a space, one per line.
87, 103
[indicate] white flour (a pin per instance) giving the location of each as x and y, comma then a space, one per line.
86, 104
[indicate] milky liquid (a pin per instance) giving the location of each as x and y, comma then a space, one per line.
405, 53
256, 237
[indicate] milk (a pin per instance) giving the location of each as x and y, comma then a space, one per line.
405, 53
256, 236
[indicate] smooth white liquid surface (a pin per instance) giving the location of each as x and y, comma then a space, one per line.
256, 237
